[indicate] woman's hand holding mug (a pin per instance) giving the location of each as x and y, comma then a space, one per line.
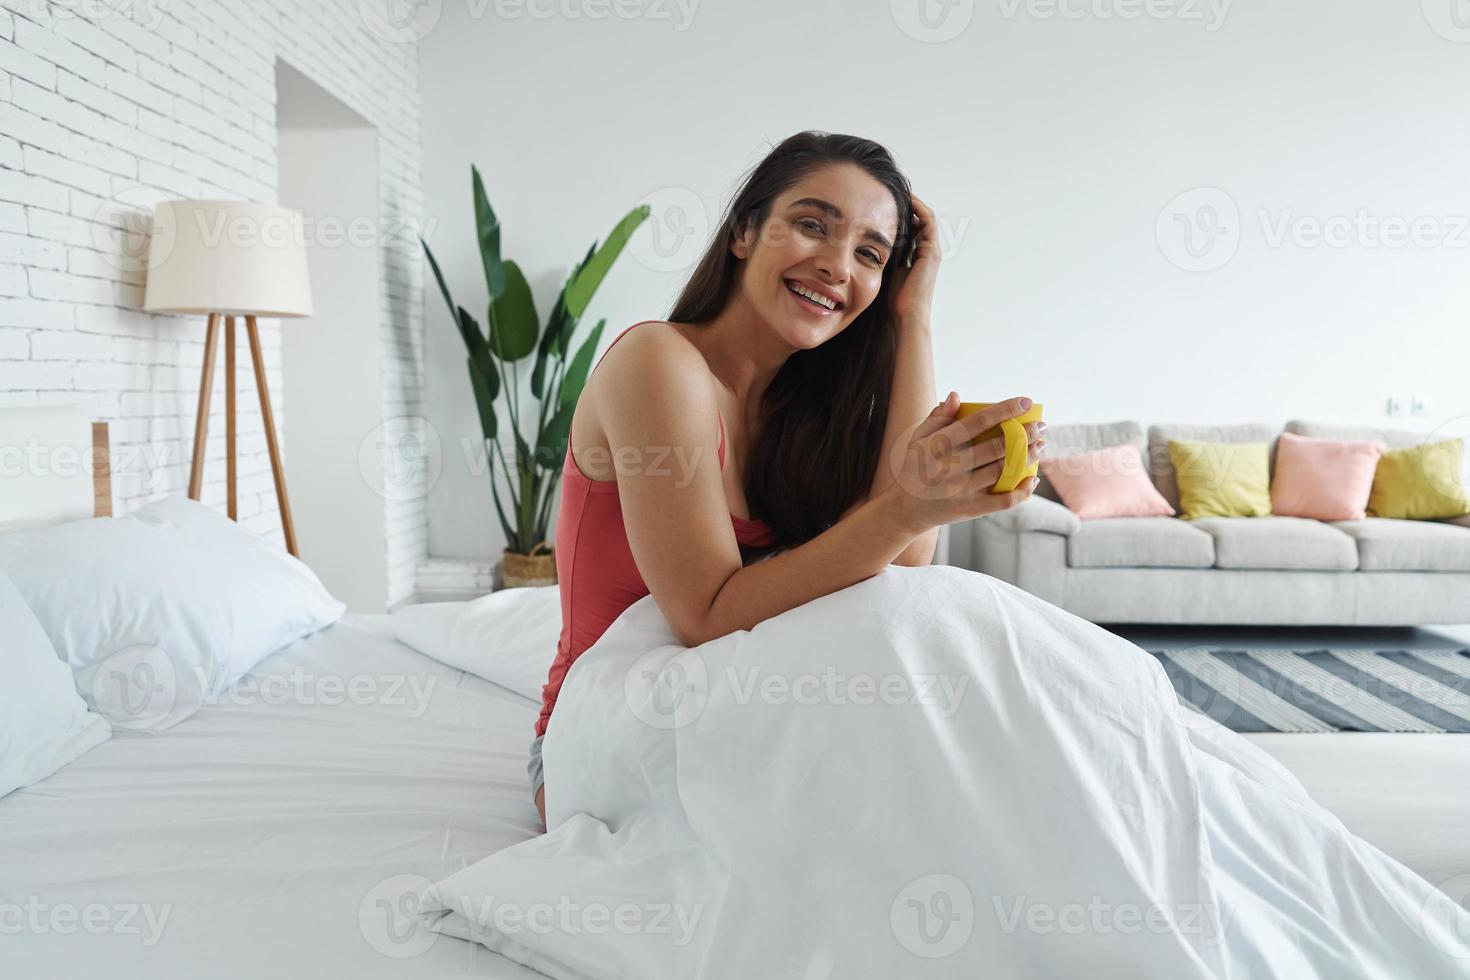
948, 473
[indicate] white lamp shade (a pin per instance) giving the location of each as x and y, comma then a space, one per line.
232, 257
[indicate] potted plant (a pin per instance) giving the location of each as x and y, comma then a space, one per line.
495, 355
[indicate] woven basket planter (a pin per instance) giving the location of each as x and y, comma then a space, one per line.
537, 568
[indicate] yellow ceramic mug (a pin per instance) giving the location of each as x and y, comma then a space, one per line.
1014, 430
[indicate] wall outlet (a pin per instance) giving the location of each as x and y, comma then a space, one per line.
1397, 405
1418, 406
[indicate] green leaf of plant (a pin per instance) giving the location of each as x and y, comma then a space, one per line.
543, 349
484, 387
559, 328
562, 342
510, 534
553, 439
580, 367
473, 336
513, 323
590, 276
438, 276
488, 228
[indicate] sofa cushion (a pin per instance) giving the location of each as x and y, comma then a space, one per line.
1109, 482
1157, 542
1324, 479
1295, 543
1425, 482
1222, 479
1386, 544
1078, 437
1161, 467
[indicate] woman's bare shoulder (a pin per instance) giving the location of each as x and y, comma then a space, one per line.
653, 359
653, 380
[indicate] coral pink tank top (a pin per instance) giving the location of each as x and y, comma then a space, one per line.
594, 564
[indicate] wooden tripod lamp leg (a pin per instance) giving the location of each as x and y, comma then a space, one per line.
232, 508
201, 415
270, 435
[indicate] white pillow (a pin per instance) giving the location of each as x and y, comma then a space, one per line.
162, 610
507, 637
43, 723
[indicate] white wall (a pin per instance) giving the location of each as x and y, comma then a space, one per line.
332, 366
106, 108
1052, 146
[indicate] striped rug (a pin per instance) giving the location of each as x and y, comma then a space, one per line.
1325, 690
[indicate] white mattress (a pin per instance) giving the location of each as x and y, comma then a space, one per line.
266, 831
263, 830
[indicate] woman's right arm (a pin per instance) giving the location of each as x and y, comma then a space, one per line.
660, 416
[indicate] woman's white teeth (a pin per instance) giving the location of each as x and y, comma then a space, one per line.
817, 298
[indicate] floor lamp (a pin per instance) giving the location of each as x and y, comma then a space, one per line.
222, 260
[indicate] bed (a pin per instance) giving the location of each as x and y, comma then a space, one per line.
282, 830
286, 829
273, 836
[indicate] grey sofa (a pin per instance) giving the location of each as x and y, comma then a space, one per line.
1240, 570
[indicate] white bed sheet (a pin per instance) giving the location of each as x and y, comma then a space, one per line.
263, 830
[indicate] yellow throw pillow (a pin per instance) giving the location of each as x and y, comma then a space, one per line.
1222, 479
1420, 483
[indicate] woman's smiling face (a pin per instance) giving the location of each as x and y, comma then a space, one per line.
829, 236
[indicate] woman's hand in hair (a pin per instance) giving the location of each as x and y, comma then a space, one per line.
941, 478
913, 286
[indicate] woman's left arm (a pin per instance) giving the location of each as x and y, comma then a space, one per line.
912, 398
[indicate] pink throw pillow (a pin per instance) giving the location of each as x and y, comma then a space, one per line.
1324, 479
1109, 482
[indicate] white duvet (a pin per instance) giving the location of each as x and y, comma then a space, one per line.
929, 774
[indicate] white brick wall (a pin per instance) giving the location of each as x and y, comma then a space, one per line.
108, 106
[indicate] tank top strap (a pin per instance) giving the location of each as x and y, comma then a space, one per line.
619, 337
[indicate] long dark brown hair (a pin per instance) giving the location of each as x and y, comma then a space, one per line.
822, 417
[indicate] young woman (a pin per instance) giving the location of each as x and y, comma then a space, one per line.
776, 438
